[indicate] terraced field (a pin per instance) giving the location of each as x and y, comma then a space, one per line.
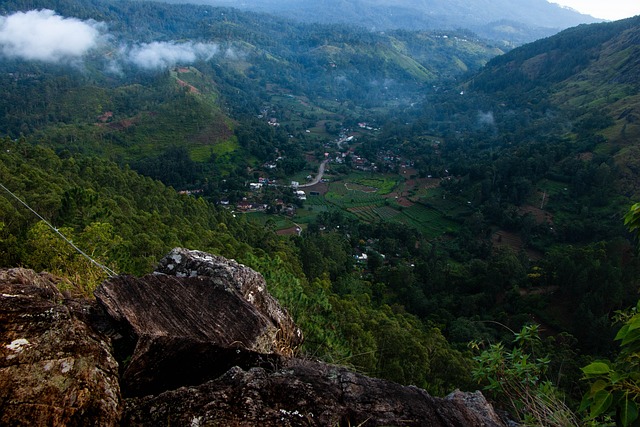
370, 206
431, 221
386, 213
365, 213
370, 199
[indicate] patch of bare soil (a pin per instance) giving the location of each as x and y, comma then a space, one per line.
216, 131
504, 238
122, 124
401, 195
404, 202
540, 215
192, 89
409, 172
288, 231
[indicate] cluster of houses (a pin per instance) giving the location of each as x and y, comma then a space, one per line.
366, 126
251, 202
278, 206
190, 192
389, 158
265, 112
361, 255
22, 76
362, 164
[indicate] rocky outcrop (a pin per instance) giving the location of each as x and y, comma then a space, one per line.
306, 393
204, 345
54, 369
192, 320
249, 283
181, 331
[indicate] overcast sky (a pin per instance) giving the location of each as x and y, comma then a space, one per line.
604, 9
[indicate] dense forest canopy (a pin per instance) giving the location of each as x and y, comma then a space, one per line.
464, 192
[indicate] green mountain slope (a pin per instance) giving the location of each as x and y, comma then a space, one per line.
533, 156
590, 74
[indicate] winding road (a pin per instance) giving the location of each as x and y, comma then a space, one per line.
318, 177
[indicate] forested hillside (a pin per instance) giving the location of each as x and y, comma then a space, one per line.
538, 147
454, 201
128, 222
135, 100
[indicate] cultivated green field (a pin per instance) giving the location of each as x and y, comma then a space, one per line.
202, 153
370, 198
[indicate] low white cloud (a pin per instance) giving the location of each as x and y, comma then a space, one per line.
157, 55
232, 54
486, 118
342, 79
43, 35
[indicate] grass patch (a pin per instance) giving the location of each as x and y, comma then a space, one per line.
384, 184
552, 188
202, 153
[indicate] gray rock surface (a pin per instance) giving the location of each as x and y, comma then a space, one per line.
249, 283
307, 393
54, 369
186, 330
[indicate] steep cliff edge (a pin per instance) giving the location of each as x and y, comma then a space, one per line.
201, 342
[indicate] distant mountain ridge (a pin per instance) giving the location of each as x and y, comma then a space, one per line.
513, 22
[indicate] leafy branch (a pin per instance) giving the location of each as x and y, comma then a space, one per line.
615, 387
517, 378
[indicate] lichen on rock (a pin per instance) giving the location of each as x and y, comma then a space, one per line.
196, 317
55, 370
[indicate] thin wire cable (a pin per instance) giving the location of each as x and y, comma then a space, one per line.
106, 269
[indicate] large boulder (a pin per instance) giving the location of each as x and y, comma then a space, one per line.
249, 283
192, 326
55, 370
307, 393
